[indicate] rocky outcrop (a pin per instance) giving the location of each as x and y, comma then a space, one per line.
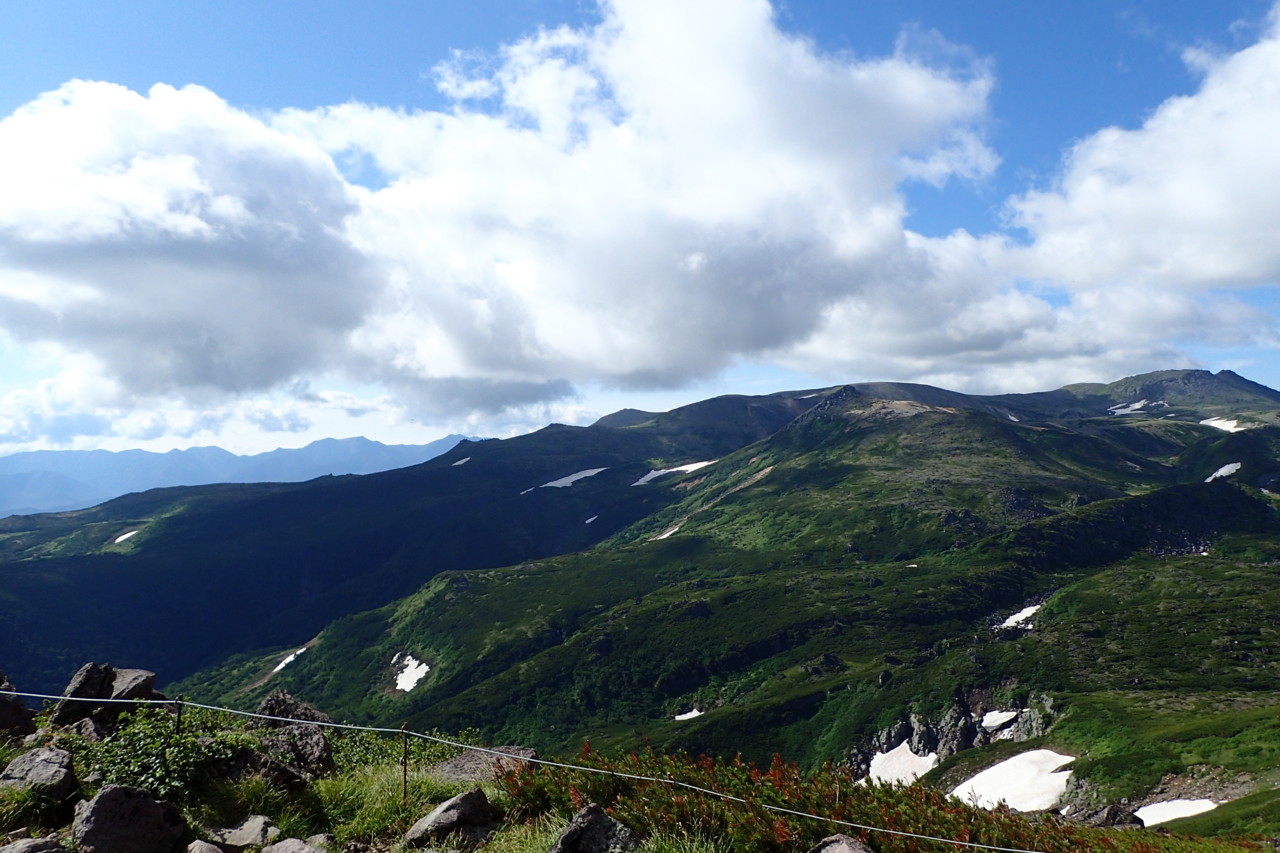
16, 719
101, 681
959, 728
121, 819
470, 814
46, 770
304, 748
593, 831
288, 710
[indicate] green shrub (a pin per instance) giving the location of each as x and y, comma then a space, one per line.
353, 750
149, 750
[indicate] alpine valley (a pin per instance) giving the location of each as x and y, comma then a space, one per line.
861, 574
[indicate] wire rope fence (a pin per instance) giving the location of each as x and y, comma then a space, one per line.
513, 763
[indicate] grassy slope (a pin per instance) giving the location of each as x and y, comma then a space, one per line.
868, 541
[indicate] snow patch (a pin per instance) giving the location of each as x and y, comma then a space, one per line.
124, 536
565, 482
591, 519
1225, 424
1026, 782
288, 660
655, 474
689, 715
411, 672
1172, 810
900, 764
993, 720
664, 534
1021, 618
1131, 408
463, 461
1012, 418
1225, 471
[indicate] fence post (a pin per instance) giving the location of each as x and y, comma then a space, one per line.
178, 723
404, 764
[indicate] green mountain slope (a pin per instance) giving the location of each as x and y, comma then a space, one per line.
851, 569
840, 561
216, 570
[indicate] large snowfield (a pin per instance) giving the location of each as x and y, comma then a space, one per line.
901, 765
1026, 782
1172, 810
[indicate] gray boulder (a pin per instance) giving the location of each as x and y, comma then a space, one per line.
305, 748
203, 847
290, 845
16, 719
102, 682
122, 819
289, 709
91, 681
133, 684
840, 844
469, 813
34, 845
46, 770
254, 831
474, 766
593, 831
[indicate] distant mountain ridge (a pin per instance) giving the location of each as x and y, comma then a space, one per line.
60, 480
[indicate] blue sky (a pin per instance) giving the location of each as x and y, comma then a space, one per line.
259, 224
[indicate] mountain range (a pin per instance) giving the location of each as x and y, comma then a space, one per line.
58, 480
820, 573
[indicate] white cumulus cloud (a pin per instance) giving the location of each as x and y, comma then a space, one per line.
638, 203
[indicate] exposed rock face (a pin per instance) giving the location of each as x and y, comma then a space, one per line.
469, 813
593, 831
121, 819
958, 729
840, 844
46, 770
16, 719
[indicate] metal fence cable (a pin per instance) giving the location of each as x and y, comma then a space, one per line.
543, 761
